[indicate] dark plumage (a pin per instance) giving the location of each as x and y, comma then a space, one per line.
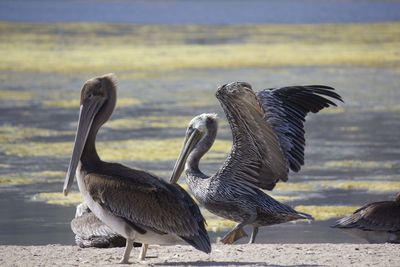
268, 140
286, 108
135, 204
377, 222
91, 232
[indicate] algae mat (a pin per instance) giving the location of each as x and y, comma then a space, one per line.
139, 49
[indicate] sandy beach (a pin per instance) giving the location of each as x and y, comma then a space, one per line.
222, 255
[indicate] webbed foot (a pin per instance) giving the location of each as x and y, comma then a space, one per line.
233, 236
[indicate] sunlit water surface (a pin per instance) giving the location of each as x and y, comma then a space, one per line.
356, 142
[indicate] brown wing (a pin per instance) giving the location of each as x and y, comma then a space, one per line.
148, 203
286, 109
256, 155
378, 216
267, 129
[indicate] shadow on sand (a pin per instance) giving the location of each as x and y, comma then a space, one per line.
225, 263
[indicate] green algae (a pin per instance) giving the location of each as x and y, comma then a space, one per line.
11, 180
350, 129
373, 186
48, 174
155, 48
120, 150
74, 103
335, 110
202, 99
359, 164
58, 198
391, 108
13, 95
25, 178
312, 186
326, 212
4, 166
294, 187
158, 122
11, 133
217, 224
287, 198
149, 122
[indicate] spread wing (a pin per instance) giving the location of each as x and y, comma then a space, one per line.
148, 203
378, 216
268, 129
285, 110
256, 157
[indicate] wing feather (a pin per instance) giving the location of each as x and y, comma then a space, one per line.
378, 216
147, 202
285, 110
256, 157
268, 129
89, 225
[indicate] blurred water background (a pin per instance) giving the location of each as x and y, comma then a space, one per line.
169, 57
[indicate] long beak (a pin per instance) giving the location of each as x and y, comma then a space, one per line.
88, 111
190, 142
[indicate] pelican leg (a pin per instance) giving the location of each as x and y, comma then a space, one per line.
253, 235
127, 252
143, 251
235, 234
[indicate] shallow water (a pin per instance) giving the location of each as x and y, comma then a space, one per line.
355, 142
201, 12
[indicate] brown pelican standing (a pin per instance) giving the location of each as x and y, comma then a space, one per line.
268, 140
377, 222
135, 204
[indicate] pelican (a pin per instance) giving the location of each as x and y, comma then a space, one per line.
91, 232
135, 204
377, 222
268, 140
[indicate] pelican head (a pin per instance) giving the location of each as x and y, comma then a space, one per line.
98, 97
200, 135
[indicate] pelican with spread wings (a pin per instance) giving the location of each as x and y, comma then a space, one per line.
268, 141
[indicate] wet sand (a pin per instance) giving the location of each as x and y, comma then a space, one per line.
222, 255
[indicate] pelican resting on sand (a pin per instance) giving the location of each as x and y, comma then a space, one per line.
377, 222
135, 204
268, 140
91, 232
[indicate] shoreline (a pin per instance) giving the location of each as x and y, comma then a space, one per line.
221, 255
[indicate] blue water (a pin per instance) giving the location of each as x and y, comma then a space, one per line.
200, 12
